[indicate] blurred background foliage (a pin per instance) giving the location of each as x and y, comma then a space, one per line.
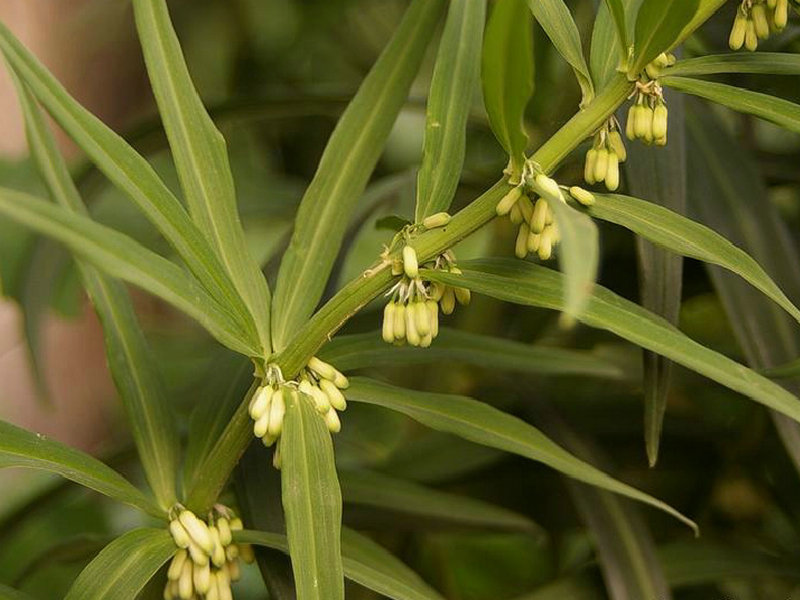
276, 74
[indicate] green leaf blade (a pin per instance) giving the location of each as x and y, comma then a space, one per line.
761, 63
658, 27
312, 503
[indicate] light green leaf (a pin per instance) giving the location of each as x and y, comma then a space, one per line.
21, 448
532, 285
617, 10
364, 350
791, 369
312, 502
454, 78
781, 112
130, 173
688, 238
484, 424
201, 159
129, 358
364, 561
705, 8
578, 255
120, 256
768, 63
345, 168
507, 76
558, 24
367, 488
125, 566
658, 27
607, 54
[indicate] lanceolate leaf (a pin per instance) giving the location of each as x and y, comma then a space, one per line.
201, 158
129, 357
688, 238
365, 562
769, 63
529, 284
366, 488
345, 168
607, 54
578, 256
364, 350
557, 22
507, 75
125, 566
484, 424
312, 503
454, 79
129, 172
658, 27
21, 448
120, 256
781, 112
617, 10
705, 8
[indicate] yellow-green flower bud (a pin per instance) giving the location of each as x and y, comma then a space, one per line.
231, 553
760, 22
224, 528
422, 319
335, 397
340, 381
521, 247
332, 421
260, 402
463, 295
601, 166
660, 121
213, 590
410, 265
400, 322
539, 219
662, 60
612, 172
653, 70
546, 244
276, 414
176, 566
589, 166
437, 291
630, 126
616, 144
277, 461
526, 208
197, 530
412, 335
448, 301
261, 426
233, 570
201, 578
508, 201
548, 187
179, 535
218, 554
771, 4
433, 311
736, 39
781, 16
516, 214
322, 368
643, 123
533, 242
388, 323
225, 592
426, 341
583, 196
199, 556
750, 37
322, 401
439, 219
185, 587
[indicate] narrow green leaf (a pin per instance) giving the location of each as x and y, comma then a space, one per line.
21, 448
312, 503
130, 172
781, 112
129, 358
658, 26
484, 424
364, 561
791, 369
578, 256
766, 63
120, 256
345, 168
607, 53
454, 78
124, 567
705, 9
201, 158
529, 284
507, 75
558, 24
367, 488
81, 547
349, 352
688, 238
659, 175
617, 10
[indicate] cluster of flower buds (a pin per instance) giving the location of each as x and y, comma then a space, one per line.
648, 116
755, 20
322, 383
207, 560
661, 62
604, 157
412, 314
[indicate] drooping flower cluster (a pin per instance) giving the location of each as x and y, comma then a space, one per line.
207, 560
756, 20
648, 116
412, 314
319, 382
605, 155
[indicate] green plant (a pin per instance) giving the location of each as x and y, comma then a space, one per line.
297, 392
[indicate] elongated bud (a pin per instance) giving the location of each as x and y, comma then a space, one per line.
197, 530
736, 39
236, 524
185, 587
259, 404
539, 219
176, 566
581, 195
199, 556
322, 400
202, 579
246, 553
231, 553
653, 70
335, 397
643, 122
760, 22
508, 201
526, 208
589, 166
433, 311
234, 570
179, 534
750, 37
277, 461
463, 295
662, 60
439, 219
521, 247
549, 187
340, 381
601, 166
781, 16
388, 323
516, 214
546, 244
412, 335
448, 301
660, 121
321, 368
426, 341
612, 172
533, 242
436, 291
630, 126
400, 322
261, 426
277, 412
213, 591
410, 265
617, 145
218, 554
332, 421
225, 533
422, 319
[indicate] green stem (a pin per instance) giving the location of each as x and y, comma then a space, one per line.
355, 295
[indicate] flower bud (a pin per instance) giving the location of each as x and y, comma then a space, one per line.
197, 530
781, 15
750, 37
213, 590
612, 172
388, 323
433, 311
630, 126
198, 555
176, 566
332, 421
185, 587
533, 242
261, 426
546, 244
448, 301
277, 461
340, 381
601, 166
422, 319
400, 322
617, 145
521, 247
439, 219
539, 219
736, 39
410, 265
218, 554
660, 121
426, 341
643, 122
463, 296
335, 397
516, 214
201, 578
662, 60
771, 4
760, 23
260, 402
548, 187
508, 201
589, 166
526, 208
224, 528
322, 368
653, 70
179, 535
277, 412
412, 335
247, 554
234, 570
581, 195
